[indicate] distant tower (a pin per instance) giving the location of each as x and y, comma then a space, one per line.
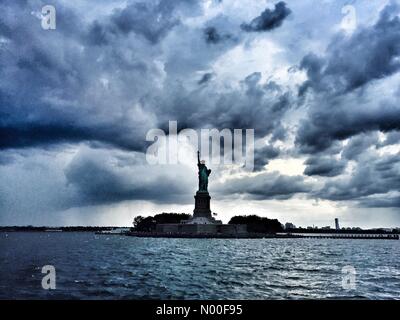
337, 223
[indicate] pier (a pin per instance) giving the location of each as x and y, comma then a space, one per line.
375, 236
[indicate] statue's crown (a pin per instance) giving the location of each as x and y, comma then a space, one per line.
202, 161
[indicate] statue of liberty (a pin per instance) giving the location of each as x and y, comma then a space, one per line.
203, 174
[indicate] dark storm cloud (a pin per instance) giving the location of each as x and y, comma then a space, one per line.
324, 126
324, 166
103, 177
26, 136
266, 186
206, 78
391, 139
99, 34
51, 90
340, 80
381, 202
359, 144
263, 155
253, 106
351, 62
153, 21
377, 176
213, 36
312, 64
269, 19
389, 165
42, 135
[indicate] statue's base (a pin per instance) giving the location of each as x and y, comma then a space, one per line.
202, 220
193, 230
202, 224
202, 205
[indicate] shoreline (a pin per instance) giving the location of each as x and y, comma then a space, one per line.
258, 236
155, 234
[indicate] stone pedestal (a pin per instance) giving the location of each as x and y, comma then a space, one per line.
202, 205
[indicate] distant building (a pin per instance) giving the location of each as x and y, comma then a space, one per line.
337, 224
289, 225
385, 229
326, 228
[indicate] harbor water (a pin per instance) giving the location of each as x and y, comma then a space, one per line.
90, 266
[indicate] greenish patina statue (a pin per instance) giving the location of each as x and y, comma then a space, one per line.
203, 174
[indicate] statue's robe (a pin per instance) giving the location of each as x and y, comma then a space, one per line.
203, 177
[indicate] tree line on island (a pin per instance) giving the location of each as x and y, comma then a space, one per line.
254, 223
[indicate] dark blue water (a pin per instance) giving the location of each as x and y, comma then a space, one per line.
90, 266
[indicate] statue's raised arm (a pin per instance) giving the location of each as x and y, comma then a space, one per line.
198, 157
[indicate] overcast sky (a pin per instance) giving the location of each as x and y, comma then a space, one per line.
318, 81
